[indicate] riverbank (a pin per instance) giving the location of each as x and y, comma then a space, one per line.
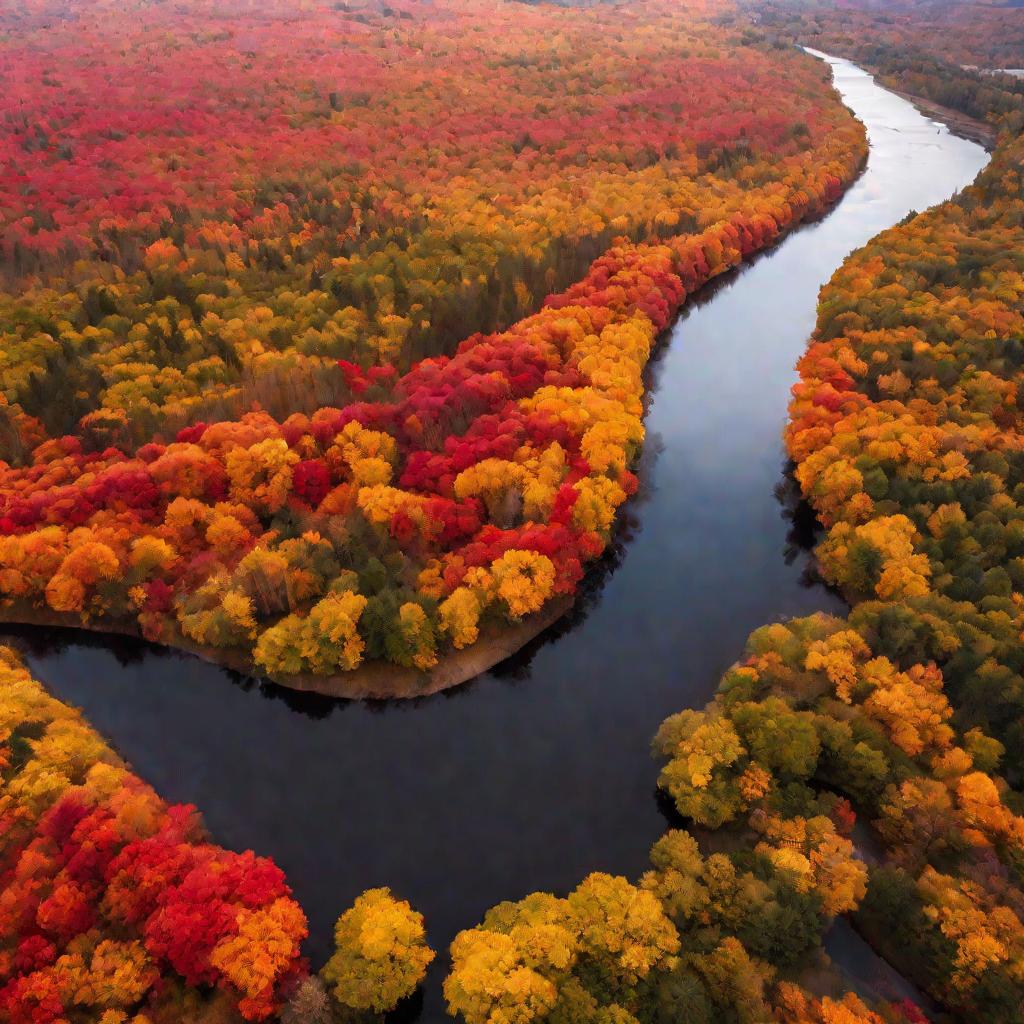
497, 641
960, 124
375, 680
540, 773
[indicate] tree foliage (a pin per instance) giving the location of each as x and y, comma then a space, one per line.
114, 905
381, 953
291, 437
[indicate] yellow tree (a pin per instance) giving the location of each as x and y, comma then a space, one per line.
381, 953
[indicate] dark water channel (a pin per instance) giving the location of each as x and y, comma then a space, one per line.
538, 772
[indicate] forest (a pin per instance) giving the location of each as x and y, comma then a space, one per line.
865, 765
246, 418
944, 53
324, 411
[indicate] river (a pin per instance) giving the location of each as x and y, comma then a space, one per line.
538, 772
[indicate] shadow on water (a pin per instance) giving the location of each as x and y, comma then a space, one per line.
538, 772
866, 973
803, 530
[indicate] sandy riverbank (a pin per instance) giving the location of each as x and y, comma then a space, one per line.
377, 680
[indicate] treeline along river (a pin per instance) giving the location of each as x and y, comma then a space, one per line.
538, 772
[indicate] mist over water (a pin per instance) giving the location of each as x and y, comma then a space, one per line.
538, 772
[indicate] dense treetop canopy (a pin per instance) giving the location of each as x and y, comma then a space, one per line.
221, 430
324, 330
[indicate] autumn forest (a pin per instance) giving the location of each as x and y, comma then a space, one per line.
335, 361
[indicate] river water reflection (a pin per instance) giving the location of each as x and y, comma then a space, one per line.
538, 772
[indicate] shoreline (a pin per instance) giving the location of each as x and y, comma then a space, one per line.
374, 680
381, 680
962, 125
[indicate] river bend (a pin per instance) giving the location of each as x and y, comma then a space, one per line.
538, 772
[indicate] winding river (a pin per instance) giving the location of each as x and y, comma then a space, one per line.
538, 772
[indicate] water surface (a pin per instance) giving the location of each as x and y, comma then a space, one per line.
538, 772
